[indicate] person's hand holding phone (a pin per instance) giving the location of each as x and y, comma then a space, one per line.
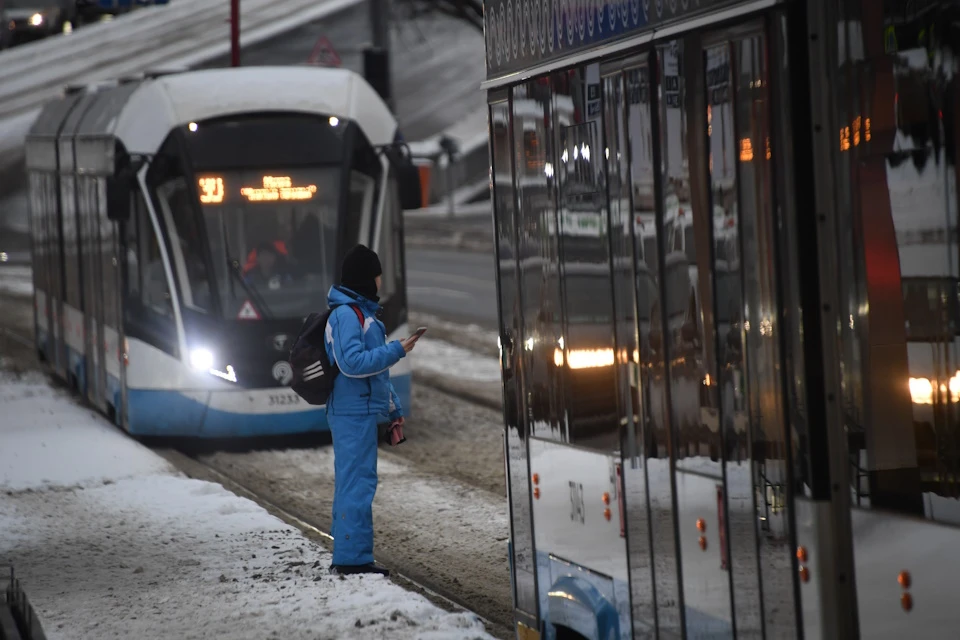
411, 342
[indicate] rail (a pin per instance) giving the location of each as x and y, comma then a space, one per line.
18, 620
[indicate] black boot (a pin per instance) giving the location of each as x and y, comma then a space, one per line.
355, 569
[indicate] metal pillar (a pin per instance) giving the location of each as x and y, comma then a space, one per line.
234, 33
377, 56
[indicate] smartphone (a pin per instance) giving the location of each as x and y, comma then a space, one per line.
420, 331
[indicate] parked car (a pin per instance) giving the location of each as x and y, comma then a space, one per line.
31, 19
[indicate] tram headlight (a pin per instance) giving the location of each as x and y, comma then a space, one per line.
201, 359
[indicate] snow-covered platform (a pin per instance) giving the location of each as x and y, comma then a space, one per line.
111, 541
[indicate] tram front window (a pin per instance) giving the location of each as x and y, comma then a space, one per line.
273, 236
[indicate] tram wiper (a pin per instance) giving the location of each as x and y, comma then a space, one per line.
258, 300
234, 267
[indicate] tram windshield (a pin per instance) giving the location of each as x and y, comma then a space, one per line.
273, 235
256, 208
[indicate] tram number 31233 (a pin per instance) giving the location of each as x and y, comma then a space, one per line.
283, 399
576, 502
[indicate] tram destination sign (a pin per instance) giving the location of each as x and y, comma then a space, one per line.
521, 34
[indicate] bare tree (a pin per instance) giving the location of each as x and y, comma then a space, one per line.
470, 11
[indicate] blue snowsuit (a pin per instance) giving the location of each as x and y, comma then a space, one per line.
362, 394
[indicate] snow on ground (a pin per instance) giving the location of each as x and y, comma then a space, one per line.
110, 541
437, 356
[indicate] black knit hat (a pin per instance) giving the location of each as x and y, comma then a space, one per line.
359, 272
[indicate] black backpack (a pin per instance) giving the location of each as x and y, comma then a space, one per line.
313, 373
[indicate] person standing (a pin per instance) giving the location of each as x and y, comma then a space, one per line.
362, 393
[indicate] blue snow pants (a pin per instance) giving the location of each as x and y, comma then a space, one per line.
355, 484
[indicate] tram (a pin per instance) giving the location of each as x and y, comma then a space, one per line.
185, 224
727, 269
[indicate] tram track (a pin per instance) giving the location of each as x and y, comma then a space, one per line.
405, 576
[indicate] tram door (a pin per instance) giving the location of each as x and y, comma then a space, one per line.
92, 287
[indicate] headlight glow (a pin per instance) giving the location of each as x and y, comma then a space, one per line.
36, 19
201, 359
921, 391
584, 358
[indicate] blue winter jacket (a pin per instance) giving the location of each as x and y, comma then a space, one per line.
363, 356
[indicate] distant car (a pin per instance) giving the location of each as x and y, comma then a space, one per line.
92, 10
31, 19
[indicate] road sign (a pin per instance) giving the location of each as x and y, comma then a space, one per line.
323, 54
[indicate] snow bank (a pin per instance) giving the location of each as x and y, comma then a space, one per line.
446, 359
112, 542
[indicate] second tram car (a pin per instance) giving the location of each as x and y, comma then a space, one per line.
185, 224
727, 266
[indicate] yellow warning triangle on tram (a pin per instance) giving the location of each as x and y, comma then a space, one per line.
248, 312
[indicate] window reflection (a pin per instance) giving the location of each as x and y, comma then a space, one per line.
902, 372
586, 354
539, 258
686, 279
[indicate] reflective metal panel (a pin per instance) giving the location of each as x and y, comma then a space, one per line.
587, 353
645, 152
633, 507
522, 557
741, 509
898, 109
757, 231
690, 341
686, 238
539, 261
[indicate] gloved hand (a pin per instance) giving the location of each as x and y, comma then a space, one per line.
395, 432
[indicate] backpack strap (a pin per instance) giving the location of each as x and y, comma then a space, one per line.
359, 313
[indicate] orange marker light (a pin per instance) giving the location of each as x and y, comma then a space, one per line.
606, 498
804, 574
906, 601
904, 579
536, 478
536, 493
701, 525
802, 554
606, 513
703, 543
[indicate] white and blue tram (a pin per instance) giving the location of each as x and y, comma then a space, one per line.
184, 225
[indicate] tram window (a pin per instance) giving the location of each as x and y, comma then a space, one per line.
361, 197
132, 282
389, 242
280, 225
186, 242
155, 290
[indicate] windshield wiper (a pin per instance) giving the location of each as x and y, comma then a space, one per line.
234, 267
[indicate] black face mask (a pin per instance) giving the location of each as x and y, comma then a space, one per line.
359, 272
366, 289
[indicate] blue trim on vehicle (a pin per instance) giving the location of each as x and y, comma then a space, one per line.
170, 413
